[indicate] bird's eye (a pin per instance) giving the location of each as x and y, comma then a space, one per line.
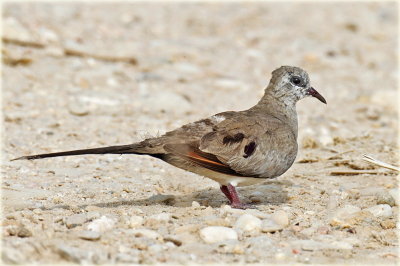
295, 80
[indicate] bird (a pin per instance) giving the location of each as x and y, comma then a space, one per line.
233, 148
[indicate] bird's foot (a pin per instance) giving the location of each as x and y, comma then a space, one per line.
231, 194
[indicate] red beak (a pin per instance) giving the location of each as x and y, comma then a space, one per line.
316, 94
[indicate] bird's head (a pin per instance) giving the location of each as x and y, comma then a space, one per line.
292, 84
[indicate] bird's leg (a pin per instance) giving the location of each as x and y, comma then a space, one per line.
225, 190
234, 198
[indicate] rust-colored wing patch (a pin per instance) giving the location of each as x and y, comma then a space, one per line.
207, 160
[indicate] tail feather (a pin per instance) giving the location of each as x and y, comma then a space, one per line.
122, 149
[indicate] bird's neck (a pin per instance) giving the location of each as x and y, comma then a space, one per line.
279, 107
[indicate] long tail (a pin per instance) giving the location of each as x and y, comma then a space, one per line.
122, 149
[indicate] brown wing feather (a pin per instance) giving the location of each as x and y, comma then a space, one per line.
191, 153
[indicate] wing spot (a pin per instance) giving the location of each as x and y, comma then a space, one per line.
228, 140
249, 149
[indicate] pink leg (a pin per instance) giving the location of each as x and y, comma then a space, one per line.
235, 202
231, 194
225, 190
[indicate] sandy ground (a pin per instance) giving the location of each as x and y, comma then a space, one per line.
88, 75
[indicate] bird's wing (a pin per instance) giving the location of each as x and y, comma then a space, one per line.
240, 145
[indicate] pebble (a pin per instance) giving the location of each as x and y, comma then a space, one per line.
89, 235
24, 232
280, 217
102, 224
72, 254
395, 194
195, 204
268, 226
248, 223
231, 247
78, 109
146, 233
135, 221
381, 210
341, 215
162, 217
311, 245
388, 224
213, 234
75, 220
385, 198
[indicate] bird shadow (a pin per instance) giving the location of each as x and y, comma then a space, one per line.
268, 193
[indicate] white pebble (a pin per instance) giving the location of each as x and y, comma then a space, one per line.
248, 222
102, 224
195, 204
346, 212
162, 217
213, 234
135, 221
280, 217
89, 235
270, 226
381, 210
146, 233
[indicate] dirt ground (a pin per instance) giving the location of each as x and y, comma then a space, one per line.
83, 75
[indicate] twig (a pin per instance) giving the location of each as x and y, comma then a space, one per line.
356, 172
23, 43
380, 163
106, 58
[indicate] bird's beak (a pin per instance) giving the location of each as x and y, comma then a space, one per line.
311, 91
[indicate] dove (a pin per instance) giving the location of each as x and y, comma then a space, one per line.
233, 148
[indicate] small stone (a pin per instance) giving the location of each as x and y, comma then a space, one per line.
388, 224
395, 194
269, 226
75, 220
24, 232
195, 204
385, 198
102, 224
248, 222
311, 245
381, 210
70, 253
78, 109
177, 242
340, 217
162, 217
256, 196
230, 247
213, 234
146, 233
281, 218
89, 235
12, 230
135, 221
